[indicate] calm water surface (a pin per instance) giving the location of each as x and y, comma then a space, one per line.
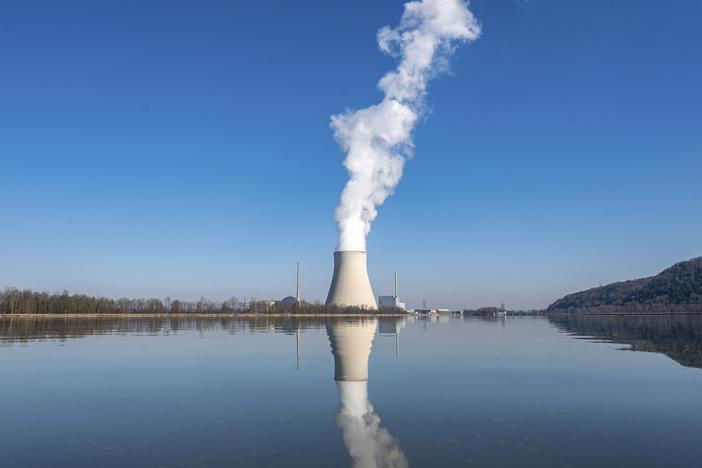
515, 392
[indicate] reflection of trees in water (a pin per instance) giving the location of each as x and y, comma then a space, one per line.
23, 329
677, 336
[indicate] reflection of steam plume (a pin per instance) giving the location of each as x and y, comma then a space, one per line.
377, 139
369, 445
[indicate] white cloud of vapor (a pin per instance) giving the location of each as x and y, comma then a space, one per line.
378, 139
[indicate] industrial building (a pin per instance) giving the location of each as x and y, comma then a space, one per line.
391, 301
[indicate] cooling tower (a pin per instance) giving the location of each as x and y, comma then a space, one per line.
351, 346
350, 285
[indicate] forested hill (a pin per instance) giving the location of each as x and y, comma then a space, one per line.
679, 285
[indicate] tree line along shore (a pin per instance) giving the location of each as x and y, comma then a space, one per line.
27, 302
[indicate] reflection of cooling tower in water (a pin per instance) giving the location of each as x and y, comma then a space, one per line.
350, 285
369, 445
351, 343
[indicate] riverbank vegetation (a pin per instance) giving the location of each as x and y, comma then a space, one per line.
27, 302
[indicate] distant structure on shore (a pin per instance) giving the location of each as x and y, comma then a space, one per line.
290, 300
391, 301
297, 284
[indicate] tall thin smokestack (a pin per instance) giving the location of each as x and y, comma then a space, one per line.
297, 289
350, 284
396, 284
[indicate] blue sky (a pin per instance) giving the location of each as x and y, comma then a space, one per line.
178, 148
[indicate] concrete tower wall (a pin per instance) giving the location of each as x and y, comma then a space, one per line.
350, 284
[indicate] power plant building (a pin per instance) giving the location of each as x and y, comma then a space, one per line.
390, 301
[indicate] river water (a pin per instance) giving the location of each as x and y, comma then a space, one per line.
502, 392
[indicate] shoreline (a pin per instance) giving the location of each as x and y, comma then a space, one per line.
639, 314
195, 315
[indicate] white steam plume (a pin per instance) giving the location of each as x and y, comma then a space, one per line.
378, 139
369, 444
